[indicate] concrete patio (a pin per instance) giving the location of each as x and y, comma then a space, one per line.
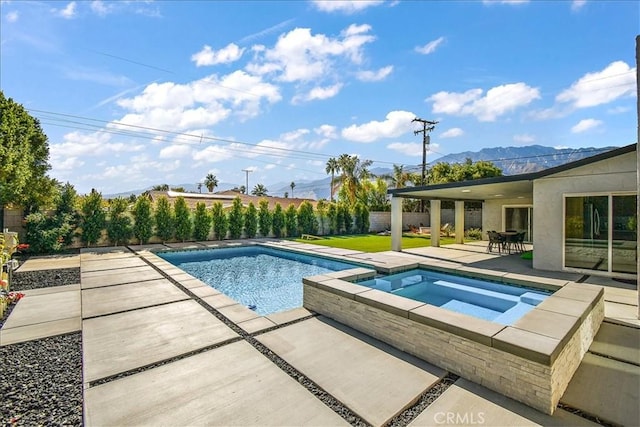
157, 351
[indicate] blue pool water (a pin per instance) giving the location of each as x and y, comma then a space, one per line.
487, 300
265, 279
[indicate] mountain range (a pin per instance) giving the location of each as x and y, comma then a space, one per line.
512, 161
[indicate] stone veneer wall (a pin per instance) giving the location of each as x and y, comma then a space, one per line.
535, 383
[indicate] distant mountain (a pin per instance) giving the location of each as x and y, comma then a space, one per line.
512, 161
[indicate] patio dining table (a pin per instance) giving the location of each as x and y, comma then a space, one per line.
510, 238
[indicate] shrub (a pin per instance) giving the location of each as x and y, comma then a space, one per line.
361, 214
235, 219
165, 221
143, 221
201, 222
474, 234
219, 219
251, 221
93, 218
264, 218
321, 209
307, 222
332, 216
345, 220
182, 219
291, 221
44, 235
278, 221
119, 225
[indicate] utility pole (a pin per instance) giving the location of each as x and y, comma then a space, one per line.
246, 187
427, 126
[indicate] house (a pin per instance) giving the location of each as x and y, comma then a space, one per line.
581, 216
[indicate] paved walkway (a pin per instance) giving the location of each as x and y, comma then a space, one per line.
159, 349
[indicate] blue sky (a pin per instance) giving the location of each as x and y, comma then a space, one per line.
138, 93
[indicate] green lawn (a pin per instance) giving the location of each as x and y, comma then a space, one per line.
373, 242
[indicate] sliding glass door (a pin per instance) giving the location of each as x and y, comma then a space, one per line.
600, 233
518, 218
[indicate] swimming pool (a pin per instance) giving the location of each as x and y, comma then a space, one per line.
265, 279
497, 302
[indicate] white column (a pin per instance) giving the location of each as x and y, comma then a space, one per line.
459, 218
435, 222
396, 223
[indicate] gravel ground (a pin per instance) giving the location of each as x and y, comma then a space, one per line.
41, 380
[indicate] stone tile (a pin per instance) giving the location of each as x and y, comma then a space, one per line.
373, 379
180, 276
621, 296
39, 309
353, 274
184, 245
113, 299
238, 313
126, 262
118, 276
342, 288
219, 301
571, 307
548, 283
125, 341
607, 388
466, 403
50, 263
580, 292
478, 330
550, 324
394, 304
620, 342
289, 315
104, 250
193, 283
529, 345
622, 314
204, 291
39, 330
51, 290
231, 385
256, 325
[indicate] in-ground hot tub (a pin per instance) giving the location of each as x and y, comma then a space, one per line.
531, 360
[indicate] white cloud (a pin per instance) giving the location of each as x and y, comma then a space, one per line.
617, 80
226, 55
407, 148
430, 47
68, 12
294, 135
212, 154
452, 133
299, 56
100, 8
395, 124
66, 164
270, 166
94, 144
585, 125
327, 131
375, 76
318, 93
175, 152
577, 4
498, 101
344, 5
618, 110
12, 16
524, 138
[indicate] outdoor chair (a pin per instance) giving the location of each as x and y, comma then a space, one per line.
495, 241
520, 241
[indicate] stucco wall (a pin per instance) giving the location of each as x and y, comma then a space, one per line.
616, 175
492, 216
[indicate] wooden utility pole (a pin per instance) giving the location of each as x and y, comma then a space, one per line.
427, 126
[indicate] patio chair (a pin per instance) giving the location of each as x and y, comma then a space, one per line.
520, 241
495, 240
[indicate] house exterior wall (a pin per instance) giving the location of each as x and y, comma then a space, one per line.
610, 175
492, 213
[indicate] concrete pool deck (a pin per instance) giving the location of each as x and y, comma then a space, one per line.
172, 360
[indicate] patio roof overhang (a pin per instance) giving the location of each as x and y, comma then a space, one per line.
503, 187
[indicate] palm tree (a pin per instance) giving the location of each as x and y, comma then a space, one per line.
399, 177
332, 167
292, 185
211, 182
259, 190
161, 187
354, 171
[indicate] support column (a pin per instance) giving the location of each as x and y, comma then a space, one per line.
459, 218
435, 222
396, 224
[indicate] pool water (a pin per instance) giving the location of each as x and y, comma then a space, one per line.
266, 280
497, 302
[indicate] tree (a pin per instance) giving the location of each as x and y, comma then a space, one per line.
143, 221
160, 187
444, 172
183, 222
321, 208
376, 198
201, 222
66, 215
264, 218
219, 219
235, 219
361, 215
278, 221
307, 222
286, 194
332, 168
93, 217
291, 221
345, 219
251, 221
24, 156
292, 185
119, 226
164, 219
354, 171
332, 216
259, 190
211, 182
